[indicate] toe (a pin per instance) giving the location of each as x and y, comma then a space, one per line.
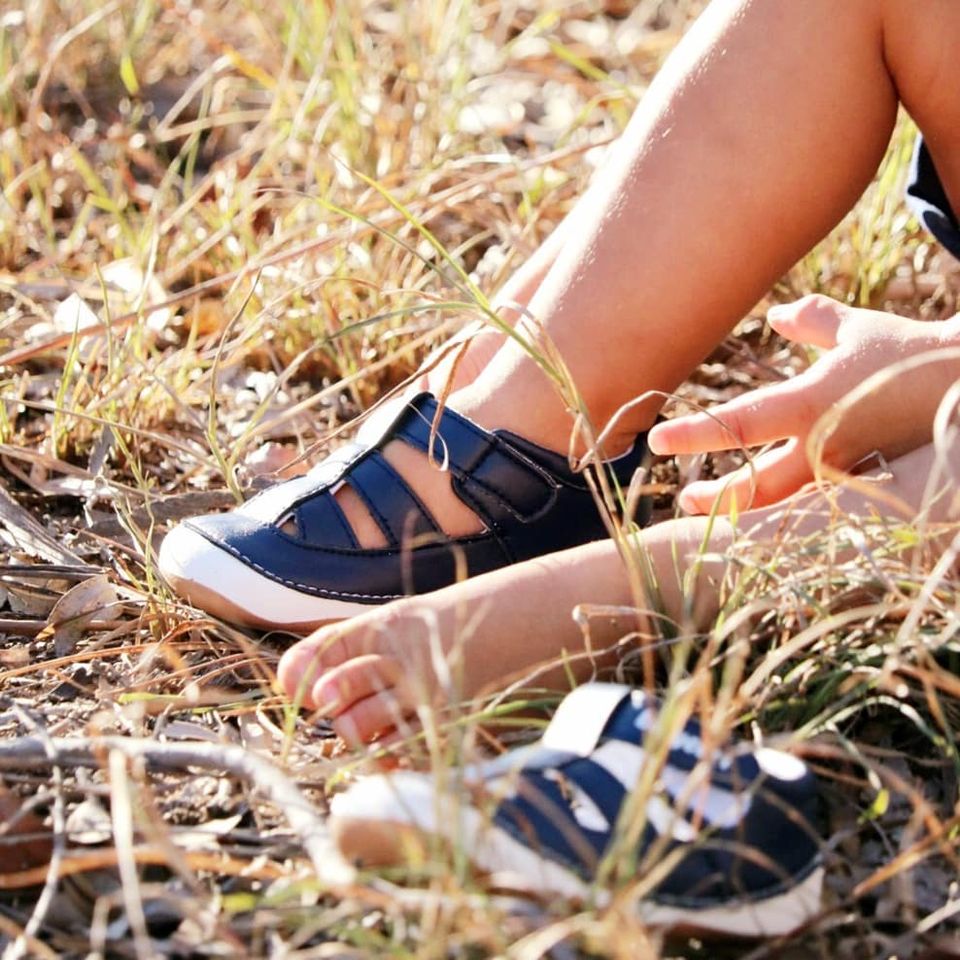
326, 649
374, 716
340, 688
302, 665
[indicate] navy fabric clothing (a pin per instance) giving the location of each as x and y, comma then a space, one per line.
928, 200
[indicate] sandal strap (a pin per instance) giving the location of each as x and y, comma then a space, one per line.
320, 520
564, 798
589, 719
582, 716
575, 730
391, 502
492, 477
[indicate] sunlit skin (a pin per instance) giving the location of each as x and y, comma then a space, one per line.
717, 186
371, 673
856, 344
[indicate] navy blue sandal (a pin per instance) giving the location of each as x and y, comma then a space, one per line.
288, 558
724, 843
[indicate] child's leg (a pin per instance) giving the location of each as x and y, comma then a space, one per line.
760, 132
372, 669
758, 135
369, 670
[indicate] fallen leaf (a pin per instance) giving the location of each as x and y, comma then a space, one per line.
188, 730
206, 836
29, 534
72, 613
254, 736
274, 459
33, 600
24, 840
73, 315
15, 656
80, 487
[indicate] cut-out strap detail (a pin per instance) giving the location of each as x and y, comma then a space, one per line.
320, 520
498, 478
396, 509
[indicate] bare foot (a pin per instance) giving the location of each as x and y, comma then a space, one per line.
371, 673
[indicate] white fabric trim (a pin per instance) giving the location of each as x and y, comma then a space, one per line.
772, 917
623, 761
531, 757
780, 765
583, 808
688, 743
413, 800
717, 807
581, 717
272, 504
667, 822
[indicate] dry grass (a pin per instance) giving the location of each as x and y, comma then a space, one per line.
208, 161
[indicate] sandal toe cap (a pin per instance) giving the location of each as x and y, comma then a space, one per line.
209, 576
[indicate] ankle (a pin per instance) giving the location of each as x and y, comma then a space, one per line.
547, 424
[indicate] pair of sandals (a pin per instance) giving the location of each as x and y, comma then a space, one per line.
725, 842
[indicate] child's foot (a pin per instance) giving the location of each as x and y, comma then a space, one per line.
371, 675
726, 845
356, 530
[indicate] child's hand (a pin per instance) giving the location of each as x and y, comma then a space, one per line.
893, 420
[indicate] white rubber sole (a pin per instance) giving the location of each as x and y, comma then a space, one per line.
215, 581
384, 819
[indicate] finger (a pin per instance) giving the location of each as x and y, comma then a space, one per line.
761, 416
372, 717
338, 689
772, 476
815, 320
